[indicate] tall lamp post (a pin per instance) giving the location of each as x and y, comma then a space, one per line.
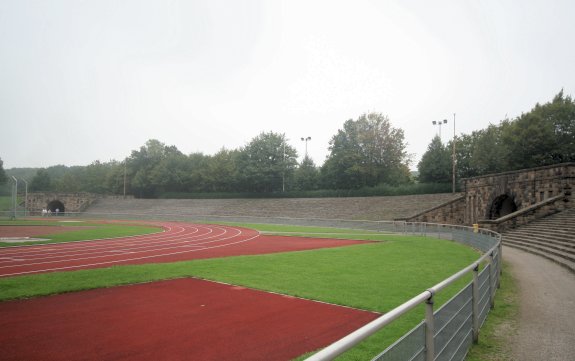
25, 198
439, 124
453, 157
14, 197
305, 140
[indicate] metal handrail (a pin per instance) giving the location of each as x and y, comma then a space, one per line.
351, 340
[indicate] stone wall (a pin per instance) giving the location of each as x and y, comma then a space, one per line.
524, 187
528, 194
72, 202
447, 213
529, 214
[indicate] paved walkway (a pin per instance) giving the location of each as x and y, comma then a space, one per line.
546, 325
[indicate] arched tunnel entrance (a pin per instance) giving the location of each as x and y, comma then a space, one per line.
56, 207
502, 206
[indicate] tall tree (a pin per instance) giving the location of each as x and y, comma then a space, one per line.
435, 164
41, 181
366, 152
144, 167
267, 163
306, 176
545, 135
222, 171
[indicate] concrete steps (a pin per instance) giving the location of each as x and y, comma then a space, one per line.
552, 237
366, 208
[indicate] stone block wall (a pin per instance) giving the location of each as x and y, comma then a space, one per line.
451, 212
524, 187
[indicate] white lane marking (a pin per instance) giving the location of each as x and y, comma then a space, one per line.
125, 260
157, 246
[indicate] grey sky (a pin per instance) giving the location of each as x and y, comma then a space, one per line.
92, 80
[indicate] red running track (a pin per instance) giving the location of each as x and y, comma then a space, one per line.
178, 242
184, 319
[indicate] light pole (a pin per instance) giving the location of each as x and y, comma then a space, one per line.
125, 171
14, 197
305, 140
453, 156
25, 198
284, 164
440, 123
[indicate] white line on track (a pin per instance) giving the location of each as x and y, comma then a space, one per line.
168, 242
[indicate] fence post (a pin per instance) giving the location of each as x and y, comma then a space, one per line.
429, 330
491, 288
475, 299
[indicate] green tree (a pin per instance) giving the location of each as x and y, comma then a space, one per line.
490, 153
435, 164
545, 135
306, 176
146, 172
222, 171
41, 181
266, 163
366, 152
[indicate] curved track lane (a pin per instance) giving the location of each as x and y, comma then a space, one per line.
174, 243
178, 242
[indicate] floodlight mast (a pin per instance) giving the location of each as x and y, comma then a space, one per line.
439, 123
453, 157
25, 198
306, 139
14, 197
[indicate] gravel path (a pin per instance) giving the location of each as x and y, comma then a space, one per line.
546, 325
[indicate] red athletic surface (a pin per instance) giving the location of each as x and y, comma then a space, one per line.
179, 241
184, 319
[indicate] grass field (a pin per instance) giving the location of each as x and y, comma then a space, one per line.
377, 276
96, 231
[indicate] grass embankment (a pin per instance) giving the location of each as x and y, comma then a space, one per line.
377, 276
500, 325
93, 231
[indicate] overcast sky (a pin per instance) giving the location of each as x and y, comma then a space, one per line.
92, 80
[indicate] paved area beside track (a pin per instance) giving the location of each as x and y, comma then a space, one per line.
546, 325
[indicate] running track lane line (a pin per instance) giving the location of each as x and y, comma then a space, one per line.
224, 229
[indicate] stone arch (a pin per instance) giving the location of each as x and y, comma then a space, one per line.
56, 205
501, 206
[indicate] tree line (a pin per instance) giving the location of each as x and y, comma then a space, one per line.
543, 136
366, 153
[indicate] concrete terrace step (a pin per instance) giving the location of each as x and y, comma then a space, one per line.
560, 246
568, 264
563, 238
368, 208
543, 248
552, 237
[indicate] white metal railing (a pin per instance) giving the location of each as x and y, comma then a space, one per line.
429, 341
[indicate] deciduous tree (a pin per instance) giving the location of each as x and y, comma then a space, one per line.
366, 152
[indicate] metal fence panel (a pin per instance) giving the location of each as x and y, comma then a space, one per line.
411, 347
453, 322
484, 289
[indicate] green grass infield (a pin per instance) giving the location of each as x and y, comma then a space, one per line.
375, 276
